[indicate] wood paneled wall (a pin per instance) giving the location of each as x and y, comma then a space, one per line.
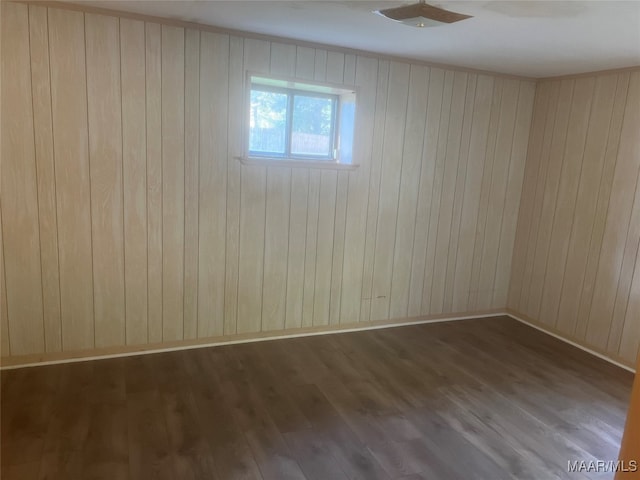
127, 219
575, 268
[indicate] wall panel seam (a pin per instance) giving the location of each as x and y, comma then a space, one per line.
86, 84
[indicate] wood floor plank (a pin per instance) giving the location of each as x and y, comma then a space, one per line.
273, 456
23, 471
106, 452
229, 448
474, 399
313, 455
273, 392
68, 428
353, 456
147, 435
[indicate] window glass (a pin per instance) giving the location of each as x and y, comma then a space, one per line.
312, 126
268, 121
289, 120
347, 127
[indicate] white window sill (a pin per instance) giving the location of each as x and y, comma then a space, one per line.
296, 163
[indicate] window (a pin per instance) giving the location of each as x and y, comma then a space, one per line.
301, 122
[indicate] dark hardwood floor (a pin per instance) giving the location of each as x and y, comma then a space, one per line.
479, 399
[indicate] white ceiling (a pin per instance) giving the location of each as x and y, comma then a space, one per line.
530, 38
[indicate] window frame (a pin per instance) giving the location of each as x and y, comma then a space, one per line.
311, 161
288, 134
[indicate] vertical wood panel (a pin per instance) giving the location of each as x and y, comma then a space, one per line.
532, 168
324, 247
172, 182
313, 208
473, 184
153, 62
425, 189
328, 207
563, 214
392, 145
501, 151
276, 249
619, 222
437, 193
191, 182
5, 344
234, 145
297, 246
485, 191
338, 247
355, 229
556, 155
458, 200
538, 199
282, 60
349, 74
105, 158
313, 203
134, 175
629, 146
335, 67
409, 184
43, 136
212, 200
604, 195
374, 190
586, 202
252, 224
518, 155
73, 197
451, 154
629, 259
19, 187
304, 68
339, 231
305, 62
252, 216
320, 64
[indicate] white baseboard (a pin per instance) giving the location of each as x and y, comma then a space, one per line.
566, 340
257, 338
328, 331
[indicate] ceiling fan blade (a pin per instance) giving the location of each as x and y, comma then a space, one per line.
423, 10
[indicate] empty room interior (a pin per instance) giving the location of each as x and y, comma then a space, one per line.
320, 240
